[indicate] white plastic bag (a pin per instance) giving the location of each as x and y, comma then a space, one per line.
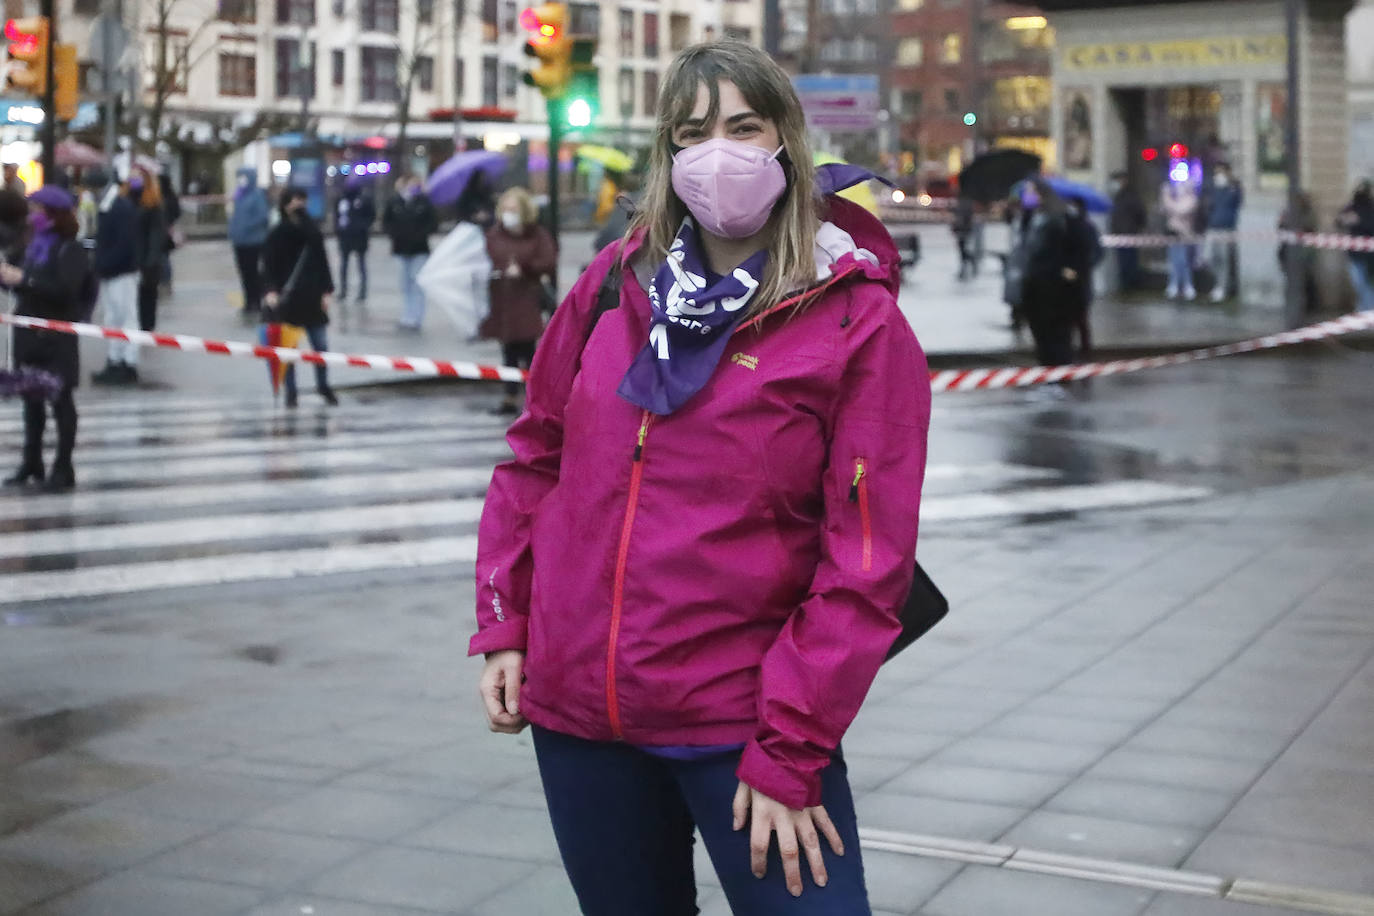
455, 278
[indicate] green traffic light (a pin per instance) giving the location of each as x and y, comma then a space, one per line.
970, 119
579, 113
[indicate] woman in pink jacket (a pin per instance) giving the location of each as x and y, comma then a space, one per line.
691, 570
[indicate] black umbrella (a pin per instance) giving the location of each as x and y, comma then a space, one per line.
991, 176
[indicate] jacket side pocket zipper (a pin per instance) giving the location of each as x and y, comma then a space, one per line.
858, 493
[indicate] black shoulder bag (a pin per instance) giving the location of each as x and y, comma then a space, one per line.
925, 604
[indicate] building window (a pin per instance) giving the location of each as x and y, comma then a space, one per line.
911, 52
849, 49
489, 20
625, 91
491, 76
952, 48
679, 32
238, 75
424, 9
338, 8
650, 91
742, 32
460, 81
510, 81
295, 74
509, 22
336, 67
380, 16
424, 73
651, 35
627, 33
951, 101
906, 6
910, 104
244, 11
297, 11
584, 19
379, 75
89, 8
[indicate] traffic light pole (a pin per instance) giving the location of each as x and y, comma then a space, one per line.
48, 135
555, 144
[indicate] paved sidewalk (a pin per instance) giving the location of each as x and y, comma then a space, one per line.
1183, 687
953, 319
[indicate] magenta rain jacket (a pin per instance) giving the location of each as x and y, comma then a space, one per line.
730, 573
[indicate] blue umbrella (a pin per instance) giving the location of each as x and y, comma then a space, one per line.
1094, 201
449, 180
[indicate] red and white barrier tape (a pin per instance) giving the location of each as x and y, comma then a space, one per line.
942, 380
986, 379
418, 364
1331, 241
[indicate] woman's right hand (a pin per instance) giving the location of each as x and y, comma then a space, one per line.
500, 690
270, 300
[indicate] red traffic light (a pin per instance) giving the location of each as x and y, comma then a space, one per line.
22, 42
1178, 151
543, 24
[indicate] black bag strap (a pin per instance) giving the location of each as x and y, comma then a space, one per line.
607, 294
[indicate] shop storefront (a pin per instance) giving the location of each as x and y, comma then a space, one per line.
1135, 82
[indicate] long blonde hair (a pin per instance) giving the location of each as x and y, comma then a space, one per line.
790, 235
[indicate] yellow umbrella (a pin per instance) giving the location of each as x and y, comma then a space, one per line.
612, 159
859, 193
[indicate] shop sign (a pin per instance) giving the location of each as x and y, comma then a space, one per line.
1208, 52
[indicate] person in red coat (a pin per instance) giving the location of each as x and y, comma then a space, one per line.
524, 257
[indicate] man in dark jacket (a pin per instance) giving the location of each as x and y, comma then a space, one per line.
353, 219
1084, 254
410, 220
299, 284
118, 257
1128, 218
1222, 202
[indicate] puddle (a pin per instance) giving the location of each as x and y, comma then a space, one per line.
22, 740
265, 655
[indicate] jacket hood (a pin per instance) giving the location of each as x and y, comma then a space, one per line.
251, 174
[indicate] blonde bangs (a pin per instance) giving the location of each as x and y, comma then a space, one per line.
790, 236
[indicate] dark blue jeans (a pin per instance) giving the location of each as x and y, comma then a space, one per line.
347, 254
624, 820
319, 342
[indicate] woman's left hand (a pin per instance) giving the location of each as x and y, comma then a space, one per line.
796, 830
326, 301
11, 275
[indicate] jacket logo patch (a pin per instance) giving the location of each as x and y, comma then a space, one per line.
744, 359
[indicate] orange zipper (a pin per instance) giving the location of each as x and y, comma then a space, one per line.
618, 596
858, 492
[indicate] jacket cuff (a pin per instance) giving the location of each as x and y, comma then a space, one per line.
511, 633
776, 780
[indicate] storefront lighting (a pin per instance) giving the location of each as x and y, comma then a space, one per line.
1149, 154
1179, 171
1178, 151
281, 168
898, 196
1026, 23
925, 199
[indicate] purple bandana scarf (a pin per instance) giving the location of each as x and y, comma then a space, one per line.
44, 240
693, 317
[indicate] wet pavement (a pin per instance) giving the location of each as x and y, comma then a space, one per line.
232, 675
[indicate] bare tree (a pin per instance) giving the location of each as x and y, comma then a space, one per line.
413, 53
178, 27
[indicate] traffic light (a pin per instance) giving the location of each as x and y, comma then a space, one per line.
67, 76
551, 46
582, 100
28, 47
970, 119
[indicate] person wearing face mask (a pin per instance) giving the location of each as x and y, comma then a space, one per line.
152, 242
248, 224
523, 256
410, 219
689, 573
299, 285
1179, 202
51, 283
1222, 204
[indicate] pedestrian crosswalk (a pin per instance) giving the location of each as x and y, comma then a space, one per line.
201, 492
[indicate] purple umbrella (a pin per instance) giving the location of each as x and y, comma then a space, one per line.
449, 180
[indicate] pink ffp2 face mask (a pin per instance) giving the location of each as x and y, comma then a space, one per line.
729, 187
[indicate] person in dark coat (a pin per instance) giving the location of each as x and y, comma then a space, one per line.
1128, 218
50, 284
1085, 253
171, 213
410, 219
1047, 295
299, 284
968, 232
248, 225
118, 257
1357, 218
353, 219
522, 254
152, 241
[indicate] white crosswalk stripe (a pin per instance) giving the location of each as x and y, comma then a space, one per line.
192, 492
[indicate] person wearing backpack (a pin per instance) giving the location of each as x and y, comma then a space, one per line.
694, 565
54, 282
